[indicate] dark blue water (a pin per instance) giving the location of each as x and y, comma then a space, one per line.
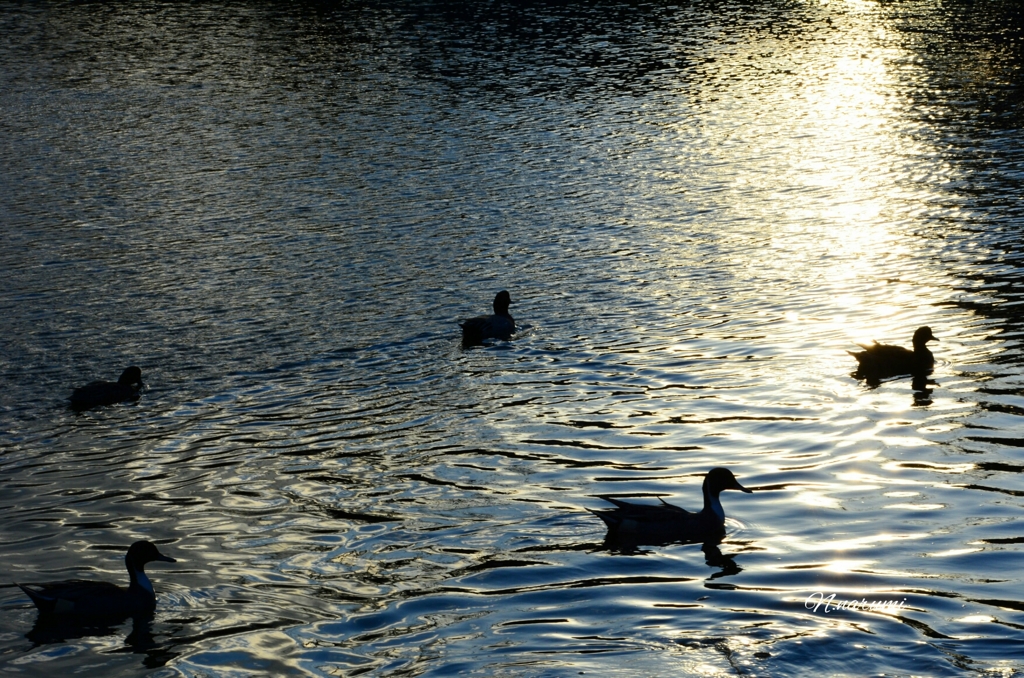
280, 211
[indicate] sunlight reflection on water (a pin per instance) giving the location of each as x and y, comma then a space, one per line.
280, 212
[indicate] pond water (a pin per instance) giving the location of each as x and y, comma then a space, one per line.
280, 211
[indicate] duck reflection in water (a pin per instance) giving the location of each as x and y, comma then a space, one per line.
50, 629
922, 386
632, 525
140, 639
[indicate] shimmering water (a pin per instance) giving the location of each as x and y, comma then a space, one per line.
279, 211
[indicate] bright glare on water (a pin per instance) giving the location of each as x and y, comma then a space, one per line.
279, 211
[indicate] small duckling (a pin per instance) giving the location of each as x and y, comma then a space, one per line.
501, 325
882, 360
97, 598
99, 393
661, 524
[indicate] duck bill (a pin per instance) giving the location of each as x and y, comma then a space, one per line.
739, 487
168, 559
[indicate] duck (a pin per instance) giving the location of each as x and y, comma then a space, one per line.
99, 393
664, 523
501, 325
882, 360
102, 599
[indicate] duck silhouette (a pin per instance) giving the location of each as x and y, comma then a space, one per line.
665, 523
83, 598
877, 361
500, 325
99, 393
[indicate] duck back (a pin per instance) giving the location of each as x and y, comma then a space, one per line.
656, 524
88, 598
883, 360
476, 330
100, 393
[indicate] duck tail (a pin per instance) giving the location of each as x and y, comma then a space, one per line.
618, 502
38, 599
606, 517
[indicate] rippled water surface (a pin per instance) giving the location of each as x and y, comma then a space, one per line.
280, 211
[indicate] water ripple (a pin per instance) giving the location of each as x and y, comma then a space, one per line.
280, 212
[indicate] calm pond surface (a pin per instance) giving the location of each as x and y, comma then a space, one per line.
280, 211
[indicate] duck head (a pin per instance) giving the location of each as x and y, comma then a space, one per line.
922, 336
142, 552
502, 301
719, 479
131, 377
